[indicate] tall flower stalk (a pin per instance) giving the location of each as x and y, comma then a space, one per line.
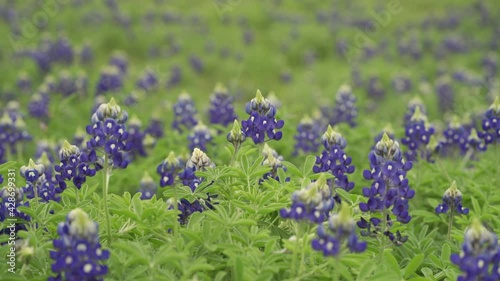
109, 137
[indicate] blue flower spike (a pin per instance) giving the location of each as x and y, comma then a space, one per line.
340, 230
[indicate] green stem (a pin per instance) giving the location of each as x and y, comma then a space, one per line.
295, 249
233, 157
382, 237
176, 211
467, 157
450, 224
76, 196
303, 250
19, 148
336, 269
105, 186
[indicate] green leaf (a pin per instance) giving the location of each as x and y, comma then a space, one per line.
308, 165
445, 252
366, 271
413, 265
238, 269
292, 169
476, 206
392, 263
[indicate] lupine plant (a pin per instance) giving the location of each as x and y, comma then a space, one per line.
198, 200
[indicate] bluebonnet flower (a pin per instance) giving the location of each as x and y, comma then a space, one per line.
109, 135
86, 54
62, 51
78, 255
148, 82
148, 187
452, 200
184, 113
11, 198
273, 160
418, 133
75, 166
307, 137
432, 149
490, 65
340, 230
491, 123
24, 82
334, 160
13, 132
412, 106
42, 60
479, 258
155, 128
386, 130
236, 135
175, 77
445, 94
168, 170
262, 120
199, 137
389, 188
110, 80
199, 161
221, 106
119, 60
473, 143
38, 183
66, 85
311, 203
39, 106
455, 136
401, 84
196, 64
374, 89
345, 110
136, 138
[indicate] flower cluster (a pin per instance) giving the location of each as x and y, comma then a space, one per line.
341, 228
10, 199
39, 106
184, 113
75, 166
479, 258
236, 136
491, 123
345, 110
110, 80
261, 121
413, 104
39, 183
307, 137
108, 133
452, 200
221, 106
12, 131
418, 133
155, 128
334, 160
445, 94
199, 137
138, 139
78, 254
199, 161
401, 84
311, 203
168, 170
389, 187
148, 187
148, 82
273, 160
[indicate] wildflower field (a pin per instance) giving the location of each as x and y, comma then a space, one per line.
249, 140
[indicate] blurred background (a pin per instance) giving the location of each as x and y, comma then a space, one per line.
388, 51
